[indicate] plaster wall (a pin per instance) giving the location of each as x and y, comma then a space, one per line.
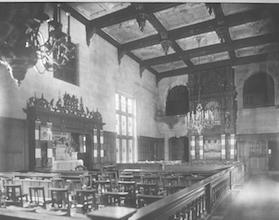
100, 76
262, 119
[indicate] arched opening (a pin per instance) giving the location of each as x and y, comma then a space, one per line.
177, 101
258, 91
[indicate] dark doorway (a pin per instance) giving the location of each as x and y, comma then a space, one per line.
273, 156
179, 149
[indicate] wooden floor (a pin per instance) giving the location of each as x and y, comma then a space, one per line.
258, 199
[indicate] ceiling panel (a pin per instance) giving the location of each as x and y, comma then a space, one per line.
151, 52
193, 41
259, 49
251, 29
211, 58
169, 66
233, 8
94, 10
182, 15
129, 31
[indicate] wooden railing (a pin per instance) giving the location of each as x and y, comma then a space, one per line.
190, 203
195, 201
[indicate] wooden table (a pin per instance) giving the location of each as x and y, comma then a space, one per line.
148, 188
112, 213
147, 199
128, 186
173, 188
103, 185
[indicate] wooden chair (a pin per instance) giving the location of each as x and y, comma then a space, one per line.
36, 193
115, 198
130, 188
14, 195
60, 199
87, 199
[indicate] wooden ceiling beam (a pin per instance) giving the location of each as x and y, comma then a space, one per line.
161, 29
222, 28
202, 67
128, 13
215, 48
105, 36
195, 29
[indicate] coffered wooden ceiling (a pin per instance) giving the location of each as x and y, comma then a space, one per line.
202, 35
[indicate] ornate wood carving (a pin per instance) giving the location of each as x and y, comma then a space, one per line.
68, 105
215, 85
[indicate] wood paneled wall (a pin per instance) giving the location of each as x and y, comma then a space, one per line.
109, 147
150, 148
13, 144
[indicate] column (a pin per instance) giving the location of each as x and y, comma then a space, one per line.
166, 150
223, 146
192, 148
201, 147
37, 153
232, 146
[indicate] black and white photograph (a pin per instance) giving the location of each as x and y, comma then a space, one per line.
139, 110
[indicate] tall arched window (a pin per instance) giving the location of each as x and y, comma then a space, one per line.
177, 101
258, 91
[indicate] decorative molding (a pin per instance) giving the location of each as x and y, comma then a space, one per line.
68, 105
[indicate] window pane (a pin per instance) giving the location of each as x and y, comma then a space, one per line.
130, 126
130, 106
117, 150
123, 124
124, 150
123, 104
117, 124
117, 101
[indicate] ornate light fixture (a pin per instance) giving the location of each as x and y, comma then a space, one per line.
165, 42
200, 118
141, 15
58, 50
22, 45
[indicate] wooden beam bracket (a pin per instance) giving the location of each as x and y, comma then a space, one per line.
120, 55
141, 69
90, 31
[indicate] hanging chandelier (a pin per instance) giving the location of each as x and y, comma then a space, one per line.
165, 42
22, 46
141, 15
200, 119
